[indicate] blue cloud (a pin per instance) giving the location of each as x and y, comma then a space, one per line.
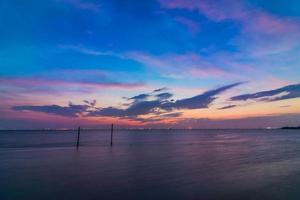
135, 109
227, 107
139, 106
160, 89
147, 107
139, 97
199, 101
165, 95
71, 110
288, 92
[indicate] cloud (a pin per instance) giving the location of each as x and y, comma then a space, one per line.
153, 106
287, 92
227, 107
88, 51
135, 109
285, 106
46, 84
192, 25
199, 101
72, 110
176, 114
175, 65
220, 10
84, 5
183, 65
154, 95
160, 89
91, 103
274, 121
156, 118
171, 65
261, 32
140, 106
139, 97
165, 95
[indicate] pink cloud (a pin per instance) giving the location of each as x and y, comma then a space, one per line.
212, 72
41, 84
221, 10
271, 24
183, 65
270, 33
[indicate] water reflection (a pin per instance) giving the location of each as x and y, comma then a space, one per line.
190, 164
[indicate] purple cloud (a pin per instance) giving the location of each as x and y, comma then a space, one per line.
257, 27
220, 10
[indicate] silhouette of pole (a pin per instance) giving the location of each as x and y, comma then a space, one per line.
111, 134
78, 136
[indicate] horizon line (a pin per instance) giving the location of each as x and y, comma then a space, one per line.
121, 129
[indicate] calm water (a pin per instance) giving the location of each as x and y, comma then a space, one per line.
157, 164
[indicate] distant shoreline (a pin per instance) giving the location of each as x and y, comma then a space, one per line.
290, 127
145, 129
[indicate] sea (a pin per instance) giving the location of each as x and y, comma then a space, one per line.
150, 164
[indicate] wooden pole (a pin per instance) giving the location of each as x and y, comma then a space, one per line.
111, 134
78, 136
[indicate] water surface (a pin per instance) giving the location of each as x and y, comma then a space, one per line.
150, 164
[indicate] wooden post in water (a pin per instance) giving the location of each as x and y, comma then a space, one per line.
78, 137
111, 134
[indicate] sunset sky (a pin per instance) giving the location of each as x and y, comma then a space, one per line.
150, 63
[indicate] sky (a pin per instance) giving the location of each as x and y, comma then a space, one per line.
149, 64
